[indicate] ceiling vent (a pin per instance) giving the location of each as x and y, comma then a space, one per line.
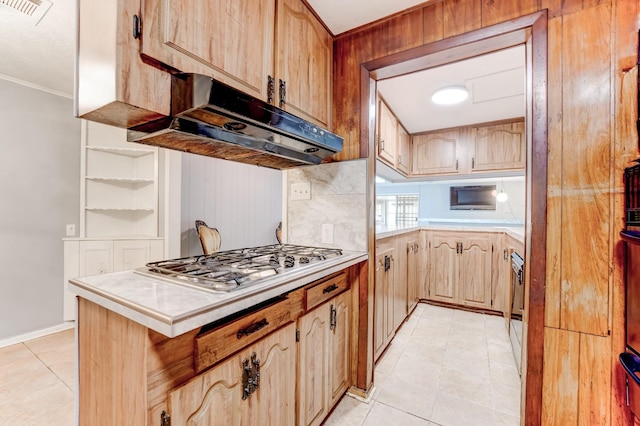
34, 9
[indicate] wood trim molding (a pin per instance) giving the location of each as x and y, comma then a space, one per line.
530, 30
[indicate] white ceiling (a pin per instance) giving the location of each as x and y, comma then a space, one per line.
40, 55
340, 15
43, 56
495, 83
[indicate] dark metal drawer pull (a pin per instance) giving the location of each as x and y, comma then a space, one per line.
253, 328
331, 288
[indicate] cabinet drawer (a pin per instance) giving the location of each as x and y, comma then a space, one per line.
216, 342
325, 290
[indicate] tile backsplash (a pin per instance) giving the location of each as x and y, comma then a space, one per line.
337, 198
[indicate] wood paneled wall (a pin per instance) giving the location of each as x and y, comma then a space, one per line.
592, 108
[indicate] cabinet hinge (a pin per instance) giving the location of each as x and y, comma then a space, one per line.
137, 27
297, 335
456, 164
473, 162
165, 419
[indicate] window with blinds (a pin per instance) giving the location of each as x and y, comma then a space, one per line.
397, 210
406, 209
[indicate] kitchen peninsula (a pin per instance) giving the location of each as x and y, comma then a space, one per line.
150, 350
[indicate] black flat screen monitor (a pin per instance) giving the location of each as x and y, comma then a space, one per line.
476, 197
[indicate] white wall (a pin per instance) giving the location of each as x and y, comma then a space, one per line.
434, 200
40, 193
243, 201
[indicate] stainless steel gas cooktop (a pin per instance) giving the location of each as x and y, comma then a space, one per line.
235, 269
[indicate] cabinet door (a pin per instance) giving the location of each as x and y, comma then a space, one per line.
275, 400
201, 400
404, 151
387, 134
215, 397
498, 147
400, 281
443, 275
304, 62
130, 254
339, 348
313, 365
435, 153
413, 265
475, 272
383, 301
231, 40
96, 257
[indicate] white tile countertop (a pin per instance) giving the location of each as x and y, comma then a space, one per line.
173, 309
515, 231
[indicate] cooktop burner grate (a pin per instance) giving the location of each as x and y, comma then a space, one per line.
234, 269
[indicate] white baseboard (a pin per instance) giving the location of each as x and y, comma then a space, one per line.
38, 333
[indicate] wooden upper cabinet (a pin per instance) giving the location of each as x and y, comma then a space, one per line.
303, 63
230, 40
498, 147
435, 153
113, 85
404, 151
387, 134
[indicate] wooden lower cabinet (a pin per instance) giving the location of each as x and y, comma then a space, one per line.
323, 363
414, 261
461, 268
383, 329
220, 389
130, 374
443, 271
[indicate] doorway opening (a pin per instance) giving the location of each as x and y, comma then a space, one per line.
531, 32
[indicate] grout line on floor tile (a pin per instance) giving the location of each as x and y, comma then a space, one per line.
48, 368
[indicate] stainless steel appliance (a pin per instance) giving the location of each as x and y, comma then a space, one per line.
517, 287
213, 119
230, 270
517, 307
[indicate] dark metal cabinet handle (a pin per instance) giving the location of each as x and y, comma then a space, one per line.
271, 89
137, 27
331, 288
253, 328
250, 376
333, 318
283, 93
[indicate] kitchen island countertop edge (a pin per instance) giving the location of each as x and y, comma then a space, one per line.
173, 309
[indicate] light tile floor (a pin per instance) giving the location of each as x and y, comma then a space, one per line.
37, 379
444, 367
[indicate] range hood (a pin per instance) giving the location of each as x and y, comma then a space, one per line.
213, 119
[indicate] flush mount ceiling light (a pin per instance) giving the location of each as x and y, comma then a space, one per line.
450, 95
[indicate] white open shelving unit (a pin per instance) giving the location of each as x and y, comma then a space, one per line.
119, 192
118, 208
